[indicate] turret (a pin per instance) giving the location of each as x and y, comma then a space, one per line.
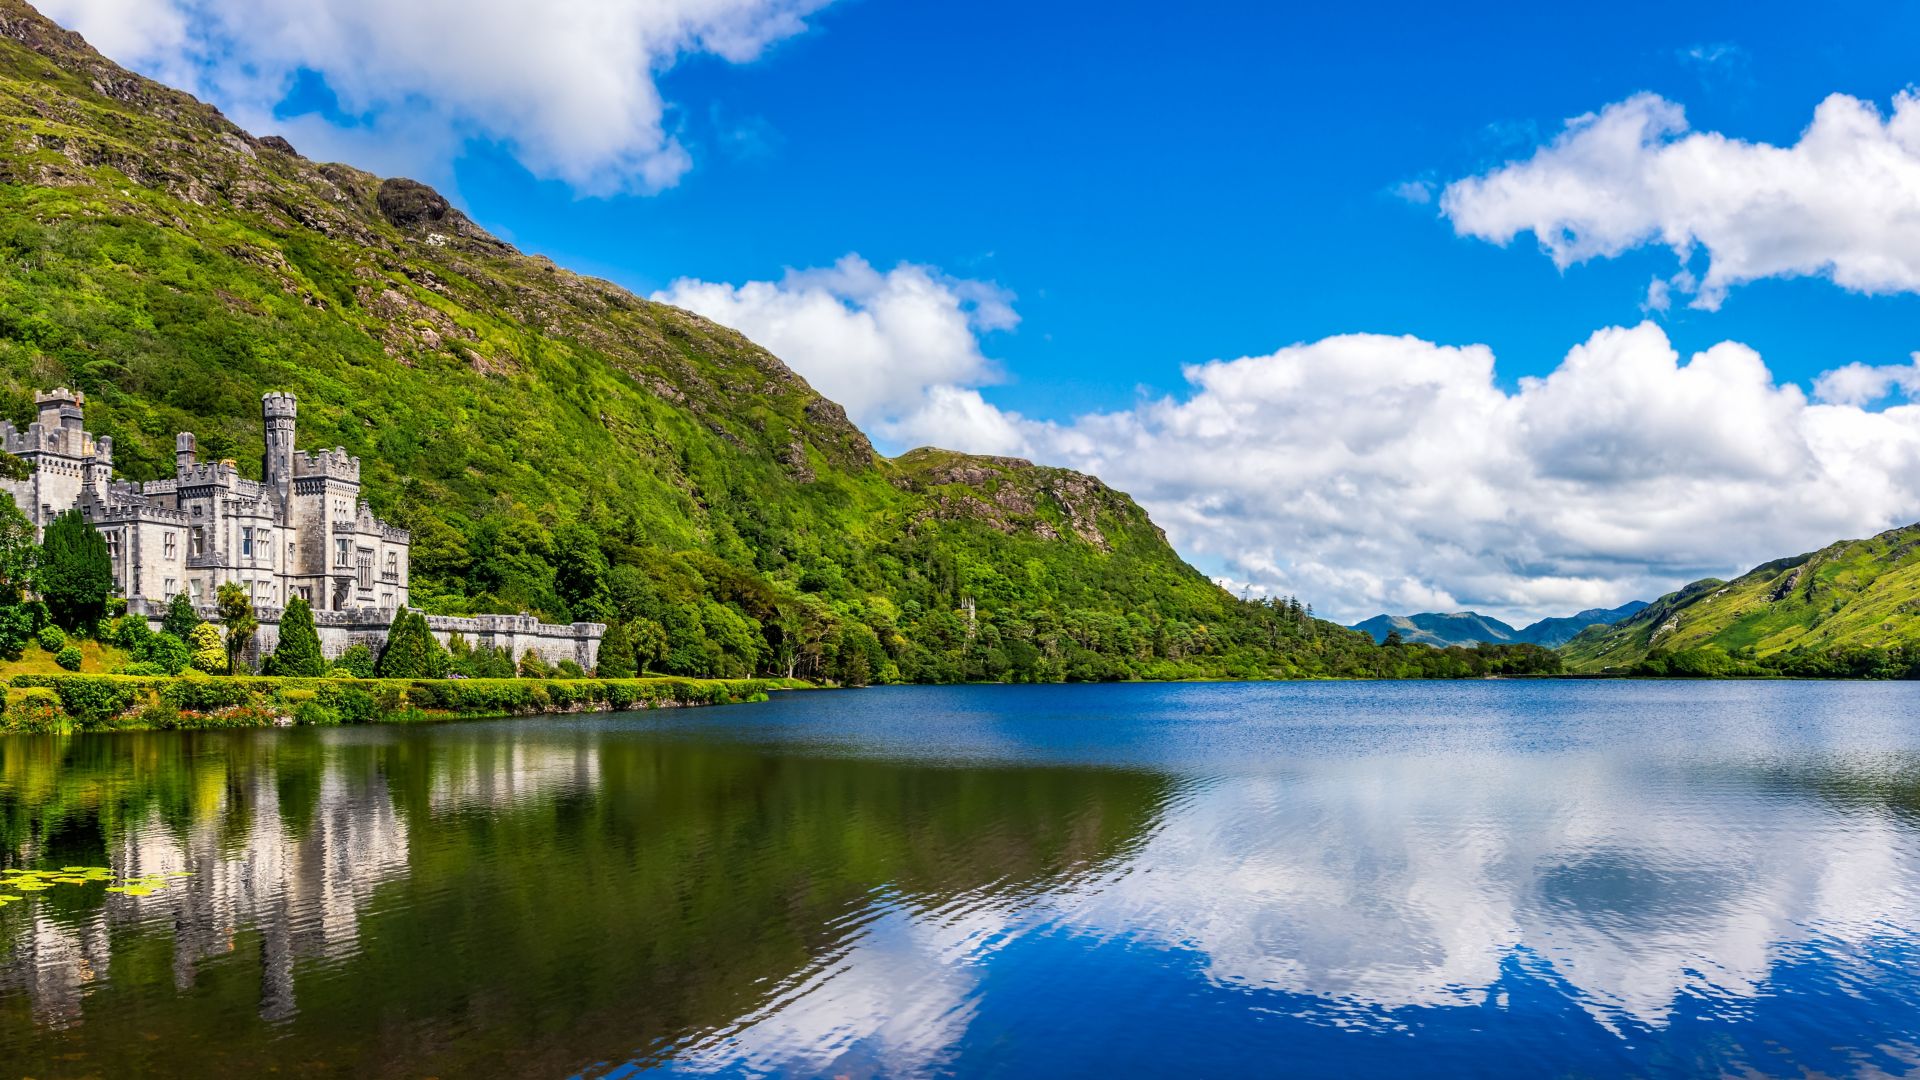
277, 467
186, 452
61, 408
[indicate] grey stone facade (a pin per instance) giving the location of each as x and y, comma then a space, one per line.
301, 531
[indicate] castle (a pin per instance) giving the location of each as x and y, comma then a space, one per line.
302, 531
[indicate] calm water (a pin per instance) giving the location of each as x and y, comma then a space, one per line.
1484, 879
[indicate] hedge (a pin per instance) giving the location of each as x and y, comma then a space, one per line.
64, 703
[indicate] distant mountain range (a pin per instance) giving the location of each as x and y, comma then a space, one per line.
1471, 627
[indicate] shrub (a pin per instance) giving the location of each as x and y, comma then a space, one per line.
141, 667
68, 658
358, 661
53, 639
93, 700
16, 628
36, 711
533, 667
205, 651
314, 714
164, 651
348, 704
569, 669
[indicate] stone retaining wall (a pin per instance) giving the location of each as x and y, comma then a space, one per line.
341, 630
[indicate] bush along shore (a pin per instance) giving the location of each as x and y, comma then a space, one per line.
60, 704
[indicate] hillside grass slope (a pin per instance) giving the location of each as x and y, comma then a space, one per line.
555, 443
1852, 608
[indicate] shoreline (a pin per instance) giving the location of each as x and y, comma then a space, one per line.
84, 703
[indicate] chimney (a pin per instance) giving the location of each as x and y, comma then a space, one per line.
186, 452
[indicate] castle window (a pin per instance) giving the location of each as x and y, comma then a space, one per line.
172, 547
393, 564
113, 545
199, 545
173, 586
341, 555
246, 541
193, 590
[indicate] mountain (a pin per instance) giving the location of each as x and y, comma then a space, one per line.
555, 443
1553, 633
1470, 627
1851, 608
1440, 629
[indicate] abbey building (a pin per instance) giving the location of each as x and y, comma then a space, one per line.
303, 530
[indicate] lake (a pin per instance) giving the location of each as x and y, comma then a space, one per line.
1353, 879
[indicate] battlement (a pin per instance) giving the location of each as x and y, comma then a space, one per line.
334, 464
208, 474
279, 405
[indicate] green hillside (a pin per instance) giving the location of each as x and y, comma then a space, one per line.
555, 443
1849, 609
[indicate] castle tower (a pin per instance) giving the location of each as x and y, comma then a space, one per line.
61, 410
186, 451
277, 467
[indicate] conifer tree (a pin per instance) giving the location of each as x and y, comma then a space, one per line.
181, 618
411, 652
298, 653
616, 653
76, 574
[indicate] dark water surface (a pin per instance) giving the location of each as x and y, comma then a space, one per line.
1485, 879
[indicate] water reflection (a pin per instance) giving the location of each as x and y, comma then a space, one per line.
1207, 880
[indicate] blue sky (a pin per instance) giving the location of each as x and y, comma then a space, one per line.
1161, 186
1276, 270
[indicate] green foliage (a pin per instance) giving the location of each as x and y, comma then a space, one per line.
94, 701
53, 639
298, 653
16, 629
560, 446
235, 604
569, 669
181, 618
357, 660
1846, 611
616, 653
206, 653
69, 658
19, 551
411, 651
75, 576
533, 667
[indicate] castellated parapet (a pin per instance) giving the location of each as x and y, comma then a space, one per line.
302, 530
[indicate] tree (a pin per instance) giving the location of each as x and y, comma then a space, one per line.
616, 653
298, 653
411, 651
181, 618
205, 652
533, 667
76, 575
19, 555
236, 614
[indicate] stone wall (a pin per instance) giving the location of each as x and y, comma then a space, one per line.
341, 630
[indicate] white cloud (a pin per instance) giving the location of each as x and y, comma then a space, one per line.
1843, 202
1863, 384
570, 86
1368, 473
899, 349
